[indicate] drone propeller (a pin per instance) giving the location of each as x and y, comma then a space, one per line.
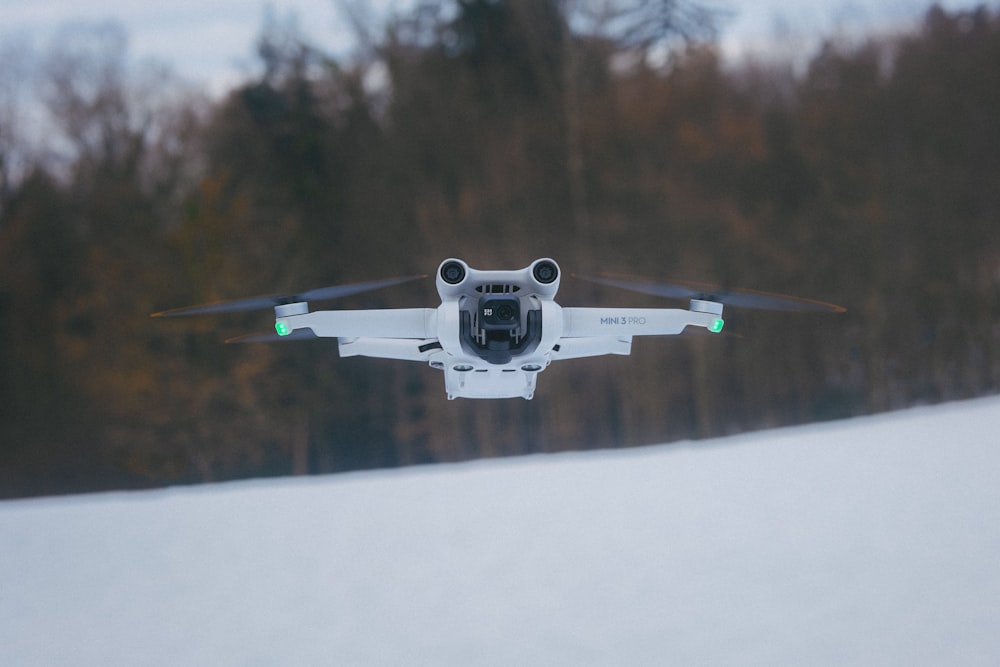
272, 337
740, 298
270, 301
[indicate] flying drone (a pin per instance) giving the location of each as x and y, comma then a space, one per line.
495, 331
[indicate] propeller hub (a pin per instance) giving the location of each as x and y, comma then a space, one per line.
703, 306
289, 309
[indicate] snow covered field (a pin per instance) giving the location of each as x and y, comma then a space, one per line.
869, 542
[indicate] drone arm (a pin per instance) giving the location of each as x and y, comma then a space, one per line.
402, 349
624, 322
404, 323
592, 346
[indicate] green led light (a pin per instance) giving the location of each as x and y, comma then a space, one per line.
717, 325
282, 328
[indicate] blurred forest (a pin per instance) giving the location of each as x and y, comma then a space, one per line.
498, 132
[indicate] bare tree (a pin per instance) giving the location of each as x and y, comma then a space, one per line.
16, 148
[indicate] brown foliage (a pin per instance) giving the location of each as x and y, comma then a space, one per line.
496, 135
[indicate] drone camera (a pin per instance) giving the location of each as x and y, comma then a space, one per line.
497, 314
452, 272
545, 271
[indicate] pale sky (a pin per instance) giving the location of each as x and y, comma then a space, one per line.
213, 42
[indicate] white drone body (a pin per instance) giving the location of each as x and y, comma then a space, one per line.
495, 331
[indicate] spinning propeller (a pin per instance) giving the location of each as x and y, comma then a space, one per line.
270, 301
272, 337
730, 296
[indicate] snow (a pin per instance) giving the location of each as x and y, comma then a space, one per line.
872, 541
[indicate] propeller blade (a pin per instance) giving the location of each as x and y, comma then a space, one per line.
338, 291
694, 333
270, 301
730, 296
272, 337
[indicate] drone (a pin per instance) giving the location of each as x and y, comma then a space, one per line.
495, 331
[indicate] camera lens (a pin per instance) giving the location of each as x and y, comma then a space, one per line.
545, 272
505, 313
453, 273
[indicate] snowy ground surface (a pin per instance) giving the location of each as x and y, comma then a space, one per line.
869, 542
